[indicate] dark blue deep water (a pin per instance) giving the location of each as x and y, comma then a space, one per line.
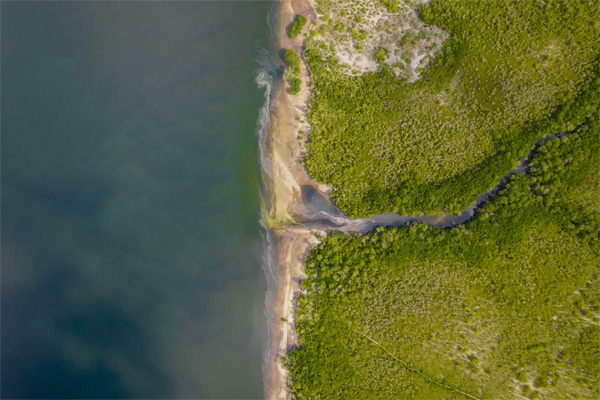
131, 248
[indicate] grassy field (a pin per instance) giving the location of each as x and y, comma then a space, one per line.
503, 307
508, 73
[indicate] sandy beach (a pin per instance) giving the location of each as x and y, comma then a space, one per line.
287, 208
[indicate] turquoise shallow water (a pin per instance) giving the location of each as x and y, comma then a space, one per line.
131, 248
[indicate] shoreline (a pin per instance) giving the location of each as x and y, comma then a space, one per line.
287, 187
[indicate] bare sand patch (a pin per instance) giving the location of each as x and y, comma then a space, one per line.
351, 32
286, 207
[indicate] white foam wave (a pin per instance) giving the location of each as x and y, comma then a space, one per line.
264, 80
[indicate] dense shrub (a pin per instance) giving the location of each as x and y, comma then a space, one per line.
296, 27
428, 313
510, 73
291, 73
295, 85
381, 54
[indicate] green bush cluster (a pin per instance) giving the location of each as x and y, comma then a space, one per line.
505, 306
391, 5
291, 73
295, 85
511, 73
296, 27
381, 54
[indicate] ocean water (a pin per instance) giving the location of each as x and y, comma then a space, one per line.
131, 245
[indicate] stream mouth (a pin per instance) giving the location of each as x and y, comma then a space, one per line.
322, 214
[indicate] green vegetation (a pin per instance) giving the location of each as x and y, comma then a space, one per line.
295, 85
381, 54
291, 73
506, 306
296, 27
352, 32
391, 5
293, 62
511, 73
